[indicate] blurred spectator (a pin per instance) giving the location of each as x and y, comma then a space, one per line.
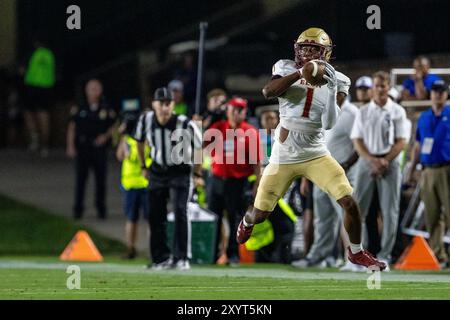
170, 177
272, 239
364, 89
89, 133
379, 135
230, 173
177, 87
39, 82
133, 184
187, 73
432, 149
418, 86
215, 107
328, 213
215, 111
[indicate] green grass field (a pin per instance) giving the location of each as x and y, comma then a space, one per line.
25, 229
32, 239
45, 278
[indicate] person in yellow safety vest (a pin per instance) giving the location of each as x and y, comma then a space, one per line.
272, 239
133, 185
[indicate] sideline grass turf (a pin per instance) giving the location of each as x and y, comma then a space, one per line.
46, 279
25, 230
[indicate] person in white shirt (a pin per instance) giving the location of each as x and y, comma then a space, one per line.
379, 134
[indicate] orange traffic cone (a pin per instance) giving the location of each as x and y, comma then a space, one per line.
418, 256
81, 248
246, 256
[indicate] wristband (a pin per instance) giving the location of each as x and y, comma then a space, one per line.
198, 175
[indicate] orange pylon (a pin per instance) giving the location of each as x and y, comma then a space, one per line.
418, 256
81, 248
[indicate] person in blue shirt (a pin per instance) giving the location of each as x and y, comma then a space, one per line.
432, 149
418, 86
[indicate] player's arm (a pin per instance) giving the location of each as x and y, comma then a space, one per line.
331, 110
278, 85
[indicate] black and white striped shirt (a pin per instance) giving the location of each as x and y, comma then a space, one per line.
172, 145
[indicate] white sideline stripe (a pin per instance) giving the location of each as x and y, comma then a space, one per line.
232, 272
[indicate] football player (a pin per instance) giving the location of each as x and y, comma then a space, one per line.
299, 148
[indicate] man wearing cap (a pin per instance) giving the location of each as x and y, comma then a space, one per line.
432, 149
177, 88
235, 157
170, 176
364, 89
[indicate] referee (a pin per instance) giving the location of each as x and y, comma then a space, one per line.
173, 140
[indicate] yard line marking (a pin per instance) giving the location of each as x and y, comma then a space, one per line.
234, 273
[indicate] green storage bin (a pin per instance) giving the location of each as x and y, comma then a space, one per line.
203, 233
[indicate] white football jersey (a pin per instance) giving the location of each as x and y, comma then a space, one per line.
301, 105
301, 108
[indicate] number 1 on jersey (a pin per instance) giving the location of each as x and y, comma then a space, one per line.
308, 102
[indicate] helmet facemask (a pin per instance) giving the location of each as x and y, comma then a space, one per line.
305, 52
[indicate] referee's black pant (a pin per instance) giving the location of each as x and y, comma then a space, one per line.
228, 194
177, 189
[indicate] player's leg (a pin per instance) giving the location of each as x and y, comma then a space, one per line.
275, 181
328, 175
81, 176
235, 205
43, 121
389, 188
157, 219
180, 193
364, 185
216, 204
325, 231
99, 163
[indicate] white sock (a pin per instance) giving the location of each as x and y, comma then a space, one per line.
247, 225
355, 248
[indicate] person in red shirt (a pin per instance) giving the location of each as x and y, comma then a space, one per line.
235, 151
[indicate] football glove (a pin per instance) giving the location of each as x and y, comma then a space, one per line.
330, 76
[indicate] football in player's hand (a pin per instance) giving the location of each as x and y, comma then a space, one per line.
313, 72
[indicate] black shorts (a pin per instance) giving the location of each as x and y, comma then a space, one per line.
38, 99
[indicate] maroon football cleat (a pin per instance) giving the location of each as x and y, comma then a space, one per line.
366, 259
243, 233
